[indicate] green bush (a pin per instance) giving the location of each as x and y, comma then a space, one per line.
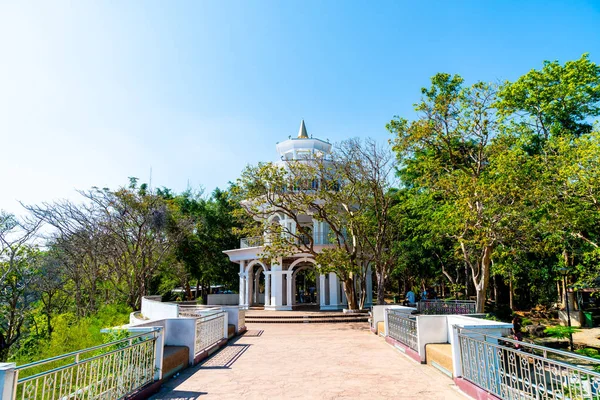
526, 321
72, 333
560, 332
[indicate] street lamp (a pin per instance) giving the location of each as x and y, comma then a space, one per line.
565, 271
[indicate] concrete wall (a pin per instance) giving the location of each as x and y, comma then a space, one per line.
232, 315
223, 299
154, 310
431, 329
176, 331
378, 313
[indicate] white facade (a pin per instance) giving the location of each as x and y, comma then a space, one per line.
274, 285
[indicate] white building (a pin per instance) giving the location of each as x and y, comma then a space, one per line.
290, 282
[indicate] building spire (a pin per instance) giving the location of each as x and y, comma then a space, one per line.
302, 132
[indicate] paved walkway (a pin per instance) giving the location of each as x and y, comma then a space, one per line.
322, 361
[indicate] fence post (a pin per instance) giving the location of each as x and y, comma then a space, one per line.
158, 352
7, 380
226, 326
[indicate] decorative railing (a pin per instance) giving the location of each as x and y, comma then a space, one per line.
403, 329
319, 238
196, 310
446, 307
209, 331
511, 369
108, 371
255, 241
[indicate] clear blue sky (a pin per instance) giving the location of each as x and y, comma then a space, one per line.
92, 92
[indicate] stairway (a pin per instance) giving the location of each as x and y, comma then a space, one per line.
296, 317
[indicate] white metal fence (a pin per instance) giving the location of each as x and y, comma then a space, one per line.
402, 328
511, 369
445, 307
108, 371
209, 331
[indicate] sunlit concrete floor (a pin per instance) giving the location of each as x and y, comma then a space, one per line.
302, 361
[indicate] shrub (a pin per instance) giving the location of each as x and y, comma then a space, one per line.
560, 332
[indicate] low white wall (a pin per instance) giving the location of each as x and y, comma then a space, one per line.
154, 310
232, 315
431, 329
378, 313
177, 332
223, 299
182, 332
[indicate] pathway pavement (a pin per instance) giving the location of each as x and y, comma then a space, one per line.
297, 361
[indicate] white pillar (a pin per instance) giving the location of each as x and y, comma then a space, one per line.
288, 280
322, 300
334, 285
247, 288
7, 380
242, 285
267, 288
293, 289
276, 283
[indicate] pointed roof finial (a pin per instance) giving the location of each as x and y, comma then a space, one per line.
302, 132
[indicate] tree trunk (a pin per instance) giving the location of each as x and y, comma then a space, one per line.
380, 289
481, 287
511, 294
350, 292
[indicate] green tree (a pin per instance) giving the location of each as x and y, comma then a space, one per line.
453, 149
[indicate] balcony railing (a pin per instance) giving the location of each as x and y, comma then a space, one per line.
320, 239
255, 241
403, 329
446, 307
511, 369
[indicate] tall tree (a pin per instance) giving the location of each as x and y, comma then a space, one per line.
449, 150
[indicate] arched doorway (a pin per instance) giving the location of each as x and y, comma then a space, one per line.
255, 285
305, 284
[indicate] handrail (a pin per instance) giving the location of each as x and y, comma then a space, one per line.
543, 349
87, 350
524, 370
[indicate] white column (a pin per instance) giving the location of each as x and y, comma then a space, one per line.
293, 289
288, 280
276, 283
247, 288
242, 285
267, 288
334, 285
322, 290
